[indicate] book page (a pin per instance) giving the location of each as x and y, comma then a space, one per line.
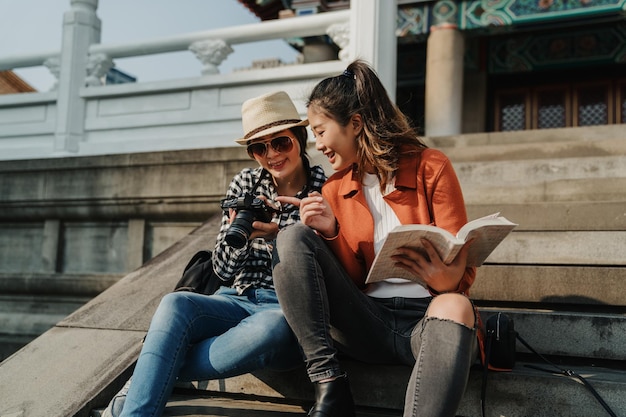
462, 233
486, 238
486, 233
384, 267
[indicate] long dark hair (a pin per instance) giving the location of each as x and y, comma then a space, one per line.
385, 128
303, 137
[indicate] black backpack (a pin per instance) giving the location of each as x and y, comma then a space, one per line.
198, 276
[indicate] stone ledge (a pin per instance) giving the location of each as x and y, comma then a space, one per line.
522, 392
65, 371
55, 283
594, 215
552, 285
543, 136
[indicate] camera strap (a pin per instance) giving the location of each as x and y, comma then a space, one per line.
558, 370
567, 373
264, 173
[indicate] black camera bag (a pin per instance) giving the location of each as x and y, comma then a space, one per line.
500, 342
199, 276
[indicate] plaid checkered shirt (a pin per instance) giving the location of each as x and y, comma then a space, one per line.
251, 265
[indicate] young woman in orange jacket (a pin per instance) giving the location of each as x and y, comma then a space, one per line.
385, 176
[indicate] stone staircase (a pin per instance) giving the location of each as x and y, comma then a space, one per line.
561, 275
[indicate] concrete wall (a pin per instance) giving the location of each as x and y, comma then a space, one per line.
71, 227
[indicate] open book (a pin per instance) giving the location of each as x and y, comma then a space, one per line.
487, 233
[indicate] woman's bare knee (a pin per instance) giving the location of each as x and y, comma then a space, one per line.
451, 306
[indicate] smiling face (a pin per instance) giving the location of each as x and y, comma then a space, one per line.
279, 160
336, 142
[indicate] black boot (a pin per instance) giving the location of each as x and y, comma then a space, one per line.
333, 399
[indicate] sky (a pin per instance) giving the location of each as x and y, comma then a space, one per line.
33, 26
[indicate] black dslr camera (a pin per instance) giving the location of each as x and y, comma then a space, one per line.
248, 208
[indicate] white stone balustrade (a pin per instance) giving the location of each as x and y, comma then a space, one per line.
79, 116
303, 26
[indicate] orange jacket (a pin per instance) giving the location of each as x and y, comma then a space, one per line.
427, 191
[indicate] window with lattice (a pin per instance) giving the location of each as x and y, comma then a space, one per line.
563, 105
513, 114
551, 108
593, 105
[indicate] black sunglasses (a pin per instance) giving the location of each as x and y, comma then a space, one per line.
280, 144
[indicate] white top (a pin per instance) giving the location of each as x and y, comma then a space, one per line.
385, 220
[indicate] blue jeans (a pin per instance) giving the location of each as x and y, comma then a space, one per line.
329, 314
199, 337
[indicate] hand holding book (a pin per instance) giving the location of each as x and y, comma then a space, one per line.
485, 233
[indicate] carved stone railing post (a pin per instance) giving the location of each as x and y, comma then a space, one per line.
81, 28
211, 53
97, 67
340, 34
54, 66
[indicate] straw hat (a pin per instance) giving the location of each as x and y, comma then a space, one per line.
267, 114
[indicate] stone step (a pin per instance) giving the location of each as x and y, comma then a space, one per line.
191, 403
573, 136
597, 339
571, 335
562, 190
535, 151
507, 171
529, 392
25, 317
380, 390
32, 303
594, 215
599, 288
87, 285
553, 179
561, 248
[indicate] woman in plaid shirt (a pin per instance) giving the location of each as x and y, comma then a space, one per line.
241, 327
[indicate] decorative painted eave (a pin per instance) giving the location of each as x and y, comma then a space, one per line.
273, 9
526, 52
476, 14
264, 10
415, 20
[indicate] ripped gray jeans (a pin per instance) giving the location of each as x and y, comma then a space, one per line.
329, 314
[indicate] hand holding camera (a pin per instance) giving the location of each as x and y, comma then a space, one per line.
248, 209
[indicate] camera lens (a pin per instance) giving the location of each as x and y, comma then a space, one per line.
240, 229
